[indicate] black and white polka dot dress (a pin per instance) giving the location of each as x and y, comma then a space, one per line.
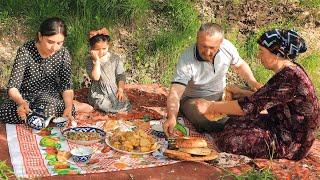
40, 81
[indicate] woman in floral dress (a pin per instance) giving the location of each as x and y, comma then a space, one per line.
289, 128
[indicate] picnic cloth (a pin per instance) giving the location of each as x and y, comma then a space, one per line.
148, 102
34, 153
308, 167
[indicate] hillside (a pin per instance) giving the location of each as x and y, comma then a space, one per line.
150, 35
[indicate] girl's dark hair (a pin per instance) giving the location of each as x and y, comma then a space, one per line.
53, 26
98, 38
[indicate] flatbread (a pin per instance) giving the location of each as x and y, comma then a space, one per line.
110, 125
214, 116
188, 157
190, 142
227, 96
63, 156
196, 151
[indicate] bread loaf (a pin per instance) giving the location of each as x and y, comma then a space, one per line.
196, 151
187, 157
190, 142
214, 116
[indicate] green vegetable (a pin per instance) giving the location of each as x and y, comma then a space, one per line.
51, 158
181, 128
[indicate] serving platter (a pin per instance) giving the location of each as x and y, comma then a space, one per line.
132, 152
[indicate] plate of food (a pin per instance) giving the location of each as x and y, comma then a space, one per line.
84, 135
132, 142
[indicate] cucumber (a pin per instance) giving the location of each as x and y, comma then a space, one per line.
181, 128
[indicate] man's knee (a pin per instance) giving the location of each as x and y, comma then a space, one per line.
199, 121
210, 126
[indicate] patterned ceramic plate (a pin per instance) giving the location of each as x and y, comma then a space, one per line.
72, 134
131, 152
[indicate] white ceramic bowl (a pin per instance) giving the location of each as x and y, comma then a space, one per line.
60, 122
81, 154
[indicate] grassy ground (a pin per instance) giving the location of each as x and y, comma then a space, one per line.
5, 171
157, 41
156, 51
263, 174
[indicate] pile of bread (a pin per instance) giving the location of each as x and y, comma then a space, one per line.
190, 149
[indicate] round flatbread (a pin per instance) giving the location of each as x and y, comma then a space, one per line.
196, 151
187, 157
110, 125
190, 142
214, 116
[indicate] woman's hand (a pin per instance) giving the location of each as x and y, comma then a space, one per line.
23, 110
94, 56
255, 86
203, 106
238, 92
120, 95
67, 113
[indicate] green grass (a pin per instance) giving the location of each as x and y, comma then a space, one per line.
81, 16
158, 53
7, 23
264, 174
311, 65
155, 52
310, 3
5, 171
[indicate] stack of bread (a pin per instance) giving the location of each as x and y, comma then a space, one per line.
190, 149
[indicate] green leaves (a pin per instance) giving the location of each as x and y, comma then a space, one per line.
5, 171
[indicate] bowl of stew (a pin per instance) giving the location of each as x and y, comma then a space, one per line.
84, 135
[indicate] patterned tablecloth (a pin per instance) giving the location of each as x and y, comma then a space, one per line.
34, 154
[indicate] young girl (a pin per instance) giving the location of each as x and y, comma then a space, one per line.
107, 74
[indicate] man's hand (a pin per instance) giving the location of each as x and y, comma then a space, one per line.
120, 95
168, 126
23, 110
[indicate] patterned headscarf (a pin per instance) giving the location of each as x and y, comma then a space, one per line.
283, 43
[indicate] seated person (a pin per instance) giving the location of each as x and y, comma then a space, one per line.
107, 74
289, 128
201, 73
41, 76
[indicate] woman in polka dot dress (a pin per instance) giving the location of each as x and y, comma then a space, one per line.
41, 76
107, 73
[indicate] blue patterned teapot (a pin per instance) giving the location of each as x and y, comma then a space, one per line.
37, 120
